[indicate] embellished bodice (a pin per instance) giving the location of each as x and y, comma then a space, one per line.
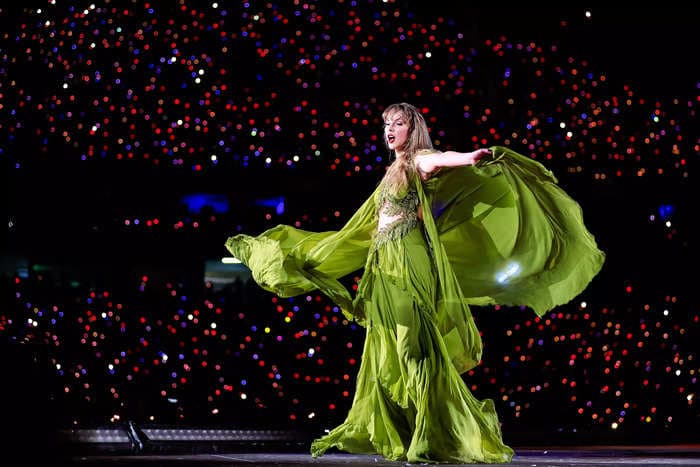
398, 215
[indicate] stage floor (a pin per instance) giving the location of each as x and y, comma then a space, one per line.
681, 455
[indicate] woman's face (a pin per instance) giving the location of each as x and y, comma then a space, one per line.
396, 131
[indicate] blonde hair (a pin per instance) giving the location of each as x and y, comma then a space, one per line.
397, 175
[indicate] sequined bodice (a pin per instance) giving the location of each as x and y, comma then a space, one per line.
397, 215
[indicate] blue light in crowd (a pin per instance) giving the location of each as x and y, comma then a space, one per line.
665, 210
195, 202
277, 203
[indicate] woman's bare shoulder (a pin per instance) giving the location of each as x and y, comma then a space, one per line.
422, 159
427, 152
422, 155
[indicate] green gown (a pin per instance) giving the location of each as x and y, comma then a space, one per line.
501, 232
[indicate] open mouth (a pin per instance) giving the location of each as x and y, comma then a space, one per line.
390, 138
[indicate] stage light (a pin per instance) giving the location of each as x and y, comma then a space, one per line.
215, 434
99, 435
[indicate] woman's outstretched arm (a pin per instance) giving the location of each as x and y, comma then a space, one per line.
429, 163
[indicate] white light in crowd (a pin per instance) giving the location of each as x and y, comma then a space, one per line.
230, 260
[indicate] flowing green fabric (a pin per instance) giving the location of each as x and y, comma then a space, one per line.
290, 261
500, 232
511, 234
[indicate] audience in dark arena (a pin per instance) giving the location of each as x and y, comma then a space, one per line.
135, 137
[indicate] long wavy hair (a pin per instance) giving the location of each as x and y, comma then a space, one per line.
397, 175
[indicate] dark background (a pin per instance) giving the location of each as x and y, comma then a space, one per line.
65, 237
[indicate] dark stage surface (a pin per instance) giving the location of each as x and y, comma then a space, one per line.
135, 446
540, 457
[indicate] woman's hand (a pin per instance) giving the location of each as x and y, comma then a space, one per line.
479, 153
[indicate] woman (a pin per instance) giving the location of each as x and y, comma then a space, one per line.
442, 231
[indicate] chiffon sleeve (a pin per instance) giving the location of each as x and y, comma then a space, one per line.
511, 234
289, 261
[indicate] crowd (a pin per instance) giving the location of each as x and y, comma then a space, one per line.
111, 114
